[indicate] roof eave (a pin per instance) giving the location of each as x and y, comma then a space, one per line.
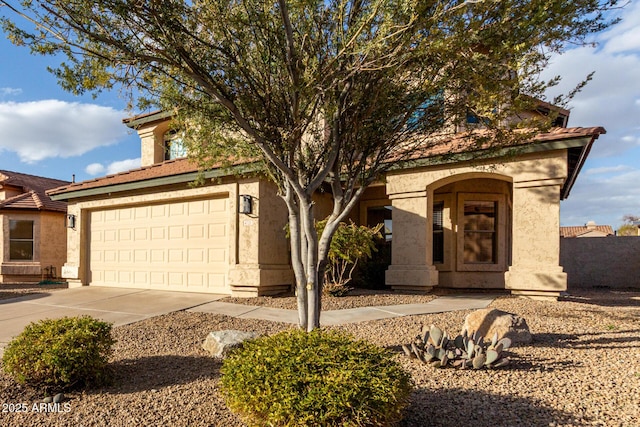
466, 156
155, 182
573, 174
138, 121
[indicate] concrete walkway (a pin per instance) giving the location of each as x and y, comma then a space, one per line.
351, 315
122, 306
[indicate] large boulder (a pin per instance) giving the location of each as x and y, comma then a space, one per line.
488, 321
220, 343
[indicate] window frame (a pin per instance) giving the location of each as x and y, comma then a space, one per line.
32, 240
169, 139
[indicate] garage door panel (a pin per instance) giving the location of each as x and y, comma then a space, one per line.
140, 234
218, 206
217, 255
176, 232
141, 212
181, 245
157, 255
157, 233
140, 278
217, 230
141, 256
196, 231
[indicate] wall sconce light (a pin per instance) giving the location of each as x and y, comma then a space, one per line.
245, 205
71, 221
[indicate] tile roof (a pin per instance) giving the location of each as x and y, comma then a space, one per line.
468, 141
576, 231
33, 196
449, 145
158, 170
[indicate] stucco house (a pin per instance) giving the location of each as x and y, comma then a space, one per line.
590, 229
33, 237
456, 221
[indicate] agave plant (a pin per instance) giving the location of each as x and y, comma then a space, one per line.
434, 347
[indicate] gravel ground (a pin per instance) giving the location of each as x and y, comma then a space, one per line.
355, 298
582, 369
14, 291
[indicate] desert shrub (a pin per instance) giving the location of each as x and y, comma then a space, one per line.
62, 353
335, 289
320, 378
350, 245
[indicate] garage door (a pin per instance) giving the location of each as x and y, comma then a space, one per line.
174, 246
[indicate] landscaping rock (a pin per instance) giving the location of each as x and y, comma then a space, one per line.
219, 343
488, 321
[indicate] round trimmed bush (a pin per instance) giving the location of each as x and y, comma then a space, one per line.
62, 353
320, 378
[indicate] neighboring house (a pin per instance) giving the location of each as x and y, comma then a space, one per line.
463, 224
590, 229
33, 237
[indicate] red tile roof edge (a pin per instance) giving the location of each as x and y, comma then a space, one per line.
185, 165
578, 230
158, 170
34, 188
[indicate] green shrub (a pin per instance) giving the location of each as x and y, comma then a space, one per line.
351, 244
61, 353
320, 378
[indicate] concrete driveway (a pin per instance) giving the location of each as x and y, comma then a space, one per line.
117, 305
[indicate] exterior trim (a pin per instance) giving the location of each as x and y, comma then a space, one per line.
157, 182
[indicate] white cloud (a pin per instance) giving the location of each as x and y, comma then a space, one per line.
604, 199
50, 128
123, 165
626, 34
608, 169
95, 169
112, 168
9, 91
612, 99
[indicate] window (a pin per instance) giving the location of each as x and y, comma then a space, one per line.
438, 233
381, 215
20, 240
174, 146
479, 222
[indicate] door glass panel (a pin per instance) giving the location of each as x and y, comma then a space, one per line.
480, 231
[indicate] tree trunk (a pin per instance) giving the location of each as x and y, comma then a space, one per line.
297, 243
311, 264
309, 252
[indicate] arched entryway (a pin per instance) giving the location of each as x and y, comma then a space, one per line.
470, 230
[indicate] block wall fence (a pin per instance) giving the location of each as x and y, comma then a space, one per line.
610, 262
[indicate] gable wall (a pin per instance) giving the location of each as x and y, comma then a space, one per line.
536, 180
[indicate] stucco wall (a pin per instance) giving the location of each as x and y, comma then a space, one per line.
53, 243
50, 240
534, 180
608, 262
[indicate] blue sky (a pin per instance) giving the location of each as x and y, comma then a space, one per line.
49, 132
